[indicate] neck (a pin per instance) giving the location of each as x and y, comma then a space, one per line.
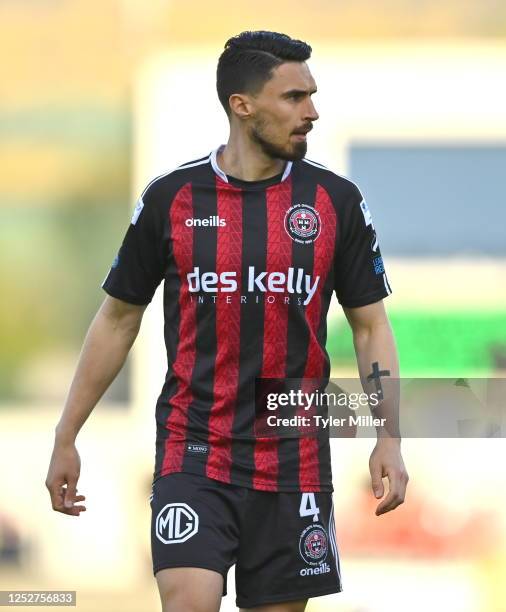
244, 159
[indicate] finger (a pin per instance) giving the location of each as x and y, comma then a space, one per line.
376, 480
389, 503
74, 511
79, 498
402, 484
71, 492
395, 495
391, 497
56, 493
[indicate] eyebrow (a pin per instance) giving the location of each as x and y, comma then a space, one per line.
291, 92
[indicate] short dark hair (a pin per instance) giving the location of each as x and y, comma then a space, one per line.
249, 58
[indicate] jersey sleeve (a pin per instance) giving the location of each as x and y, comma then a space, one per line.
360, 276
139, 266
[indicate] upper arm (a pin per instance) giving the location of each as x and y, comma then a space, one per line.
123, 314
141, 261
365, 318
360, 277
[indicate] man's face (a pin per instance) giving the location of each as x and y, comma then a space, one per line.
283, 112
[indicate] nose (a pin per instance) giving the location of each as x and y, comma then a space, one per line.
311, 113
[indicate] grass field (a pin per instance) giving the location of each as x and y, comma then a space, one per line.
448, 317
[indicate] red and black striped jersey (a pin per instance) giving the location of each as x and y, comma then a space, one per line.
249, 268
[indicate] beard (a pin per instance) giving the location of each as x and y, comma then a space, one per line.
294, 153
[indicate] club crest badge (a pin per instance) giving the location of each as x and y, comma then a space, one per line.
302, 223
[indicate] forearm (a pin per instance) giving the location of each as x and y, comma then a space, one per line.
379, 373
103, 354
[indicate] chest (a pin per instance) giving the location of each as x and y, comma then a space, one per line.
258, 237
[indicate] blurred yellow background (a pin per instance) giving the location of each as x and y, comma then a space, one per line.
97, 98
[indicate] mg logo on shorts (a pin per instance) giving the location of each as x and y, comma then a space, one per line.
176, 523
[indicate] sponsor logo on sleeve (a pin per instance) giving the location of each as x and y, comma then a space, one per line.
379, 268
137, 211
367, 214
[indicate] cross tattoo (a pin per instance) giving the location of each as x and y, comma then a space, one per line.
376, 376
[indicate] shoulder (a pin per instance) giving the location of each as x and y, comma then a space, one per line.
341, 188
172, 180
158, 195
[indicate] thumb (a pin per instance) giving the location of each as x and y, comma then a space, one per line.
377, 484
70, 493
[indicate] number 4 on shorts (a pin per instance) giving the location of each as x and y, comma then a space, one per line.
308, 506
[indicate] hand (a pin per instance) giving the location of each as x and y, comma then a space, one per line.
64, 469
386, 460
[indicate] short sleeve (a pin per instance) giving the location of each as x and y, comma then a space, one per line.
139, 266
360, 276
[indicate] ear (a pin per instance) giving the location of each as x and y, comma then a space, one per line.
241, 105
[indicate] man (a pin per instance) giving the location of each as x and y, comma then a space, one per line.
251, 241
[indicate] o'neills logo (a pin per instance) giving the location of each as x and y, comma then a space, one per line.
212, 221
293, 282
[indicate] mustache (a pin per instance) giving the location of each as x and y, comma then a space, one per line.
304, 130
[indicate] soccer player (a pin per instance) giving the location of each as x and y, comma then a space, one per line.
251, 241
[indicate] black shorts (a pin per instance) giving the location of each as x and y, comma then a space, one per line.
283, 544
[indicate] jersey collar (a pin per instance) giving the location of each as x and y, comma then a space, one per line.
223, 176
